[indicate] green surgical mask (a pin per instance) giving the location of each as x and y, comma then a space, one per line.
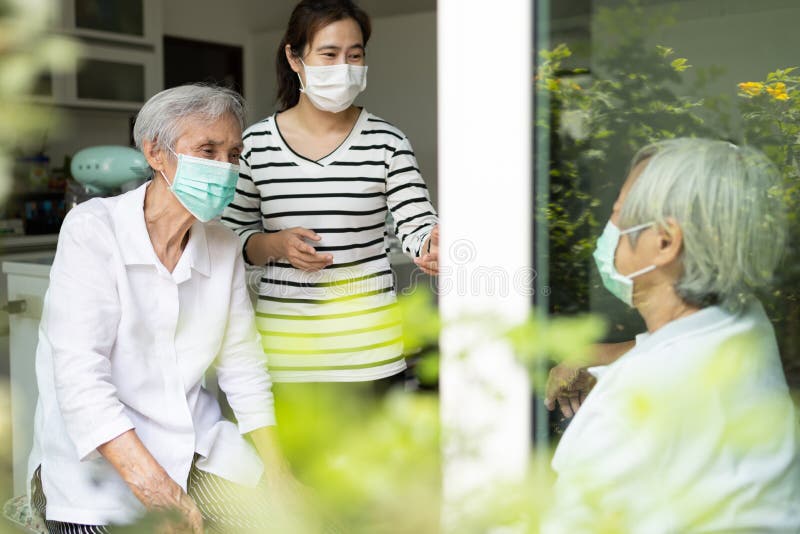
203, 186
619, 285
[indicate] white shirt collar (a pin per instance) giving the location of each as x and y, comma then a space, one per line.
138, 249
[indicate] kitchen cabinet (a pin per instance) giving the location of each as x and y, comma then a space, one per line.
27, 285
113, 77
121, 63
123, 21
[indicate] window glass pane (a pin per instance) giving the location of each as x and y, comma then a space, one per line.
117, 16
711, 86
108, 80
620, 75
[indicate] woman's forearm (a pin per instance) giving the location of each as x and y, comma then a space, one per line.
263, 248
606, 353
146, 478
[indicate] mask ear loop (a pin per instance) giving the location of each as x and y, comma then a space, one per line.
630, 231
636, 228
640, 272
176, 170
302, 86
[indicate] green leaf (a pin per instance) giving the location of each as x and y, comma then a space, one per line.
665, 51
680, 64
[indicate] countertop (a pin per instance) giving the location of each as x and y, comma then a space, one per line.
38, 267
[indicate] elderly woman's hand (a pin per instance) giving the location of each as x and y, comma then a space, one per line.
165, 495
568, 386
151, 484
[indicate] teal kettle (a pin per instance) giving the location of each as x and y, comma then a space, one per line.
106, 167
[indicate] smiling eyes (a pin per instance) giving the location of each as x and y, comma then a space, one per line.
352, 57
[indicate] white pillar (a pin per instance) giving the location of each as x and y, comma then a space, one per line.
486, 206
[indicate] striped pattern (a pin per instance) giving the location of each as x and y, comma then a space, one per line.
340, 324
39, 503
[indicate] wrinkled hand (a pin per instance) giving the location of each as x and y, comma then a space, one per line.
429, 260
162, 494
299, 253
568, 386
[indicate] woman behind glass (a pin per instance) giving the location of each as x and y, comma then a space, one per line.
693, 428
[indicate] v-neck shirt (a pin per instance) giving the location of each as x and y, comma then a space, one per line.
341, 323
324, 159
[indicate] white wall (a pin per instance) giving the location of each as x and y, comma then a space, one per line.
78, 128
401, 84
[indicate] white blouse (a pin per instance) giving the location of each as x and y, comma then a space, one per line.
693, 430
125, 344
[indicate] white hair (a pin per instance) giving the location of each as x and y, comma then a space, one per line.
160, 119
728, 202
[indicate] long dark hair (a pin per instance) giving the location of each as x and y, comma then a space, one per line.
308, 17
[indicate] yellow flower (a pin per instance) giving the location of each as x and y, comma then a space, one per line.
751, 88
778, 91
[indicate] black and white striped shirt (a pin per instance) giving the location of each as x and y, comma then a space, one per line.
339, 324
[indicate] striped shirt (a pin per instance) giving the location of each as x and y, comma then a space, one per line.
341, 323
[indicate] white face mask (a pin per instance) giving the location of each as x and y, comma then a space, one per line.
333, 88
619, 285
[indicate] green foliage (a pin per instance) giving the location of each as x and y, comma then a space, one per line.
771, 113
597, 122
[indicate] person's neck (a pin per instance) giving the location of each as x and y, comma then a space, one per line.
167, 222
318, 122
660, 305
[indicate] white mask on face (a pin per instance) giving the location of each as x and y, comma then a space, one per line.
333, 88
619, 285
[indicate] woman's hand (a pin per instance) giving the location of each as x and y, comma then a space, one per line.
429, 260
299, 253
151, 484
164, 495
288, 244
568, 386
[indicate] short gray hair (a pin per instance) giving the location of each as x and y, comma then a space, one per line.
729, 205
160, 118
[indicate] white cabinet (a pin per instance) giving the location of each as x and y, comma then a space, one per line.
27, 285
112, 77
124, 21
121, 60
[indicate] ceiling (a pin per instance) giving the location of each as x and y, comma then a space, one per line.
264, 15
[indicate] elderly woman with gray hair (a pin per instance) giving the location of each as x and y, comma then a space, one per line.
146, 294
692, 428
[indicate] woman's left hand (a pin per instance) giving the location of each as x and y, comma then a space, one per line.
429, 260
